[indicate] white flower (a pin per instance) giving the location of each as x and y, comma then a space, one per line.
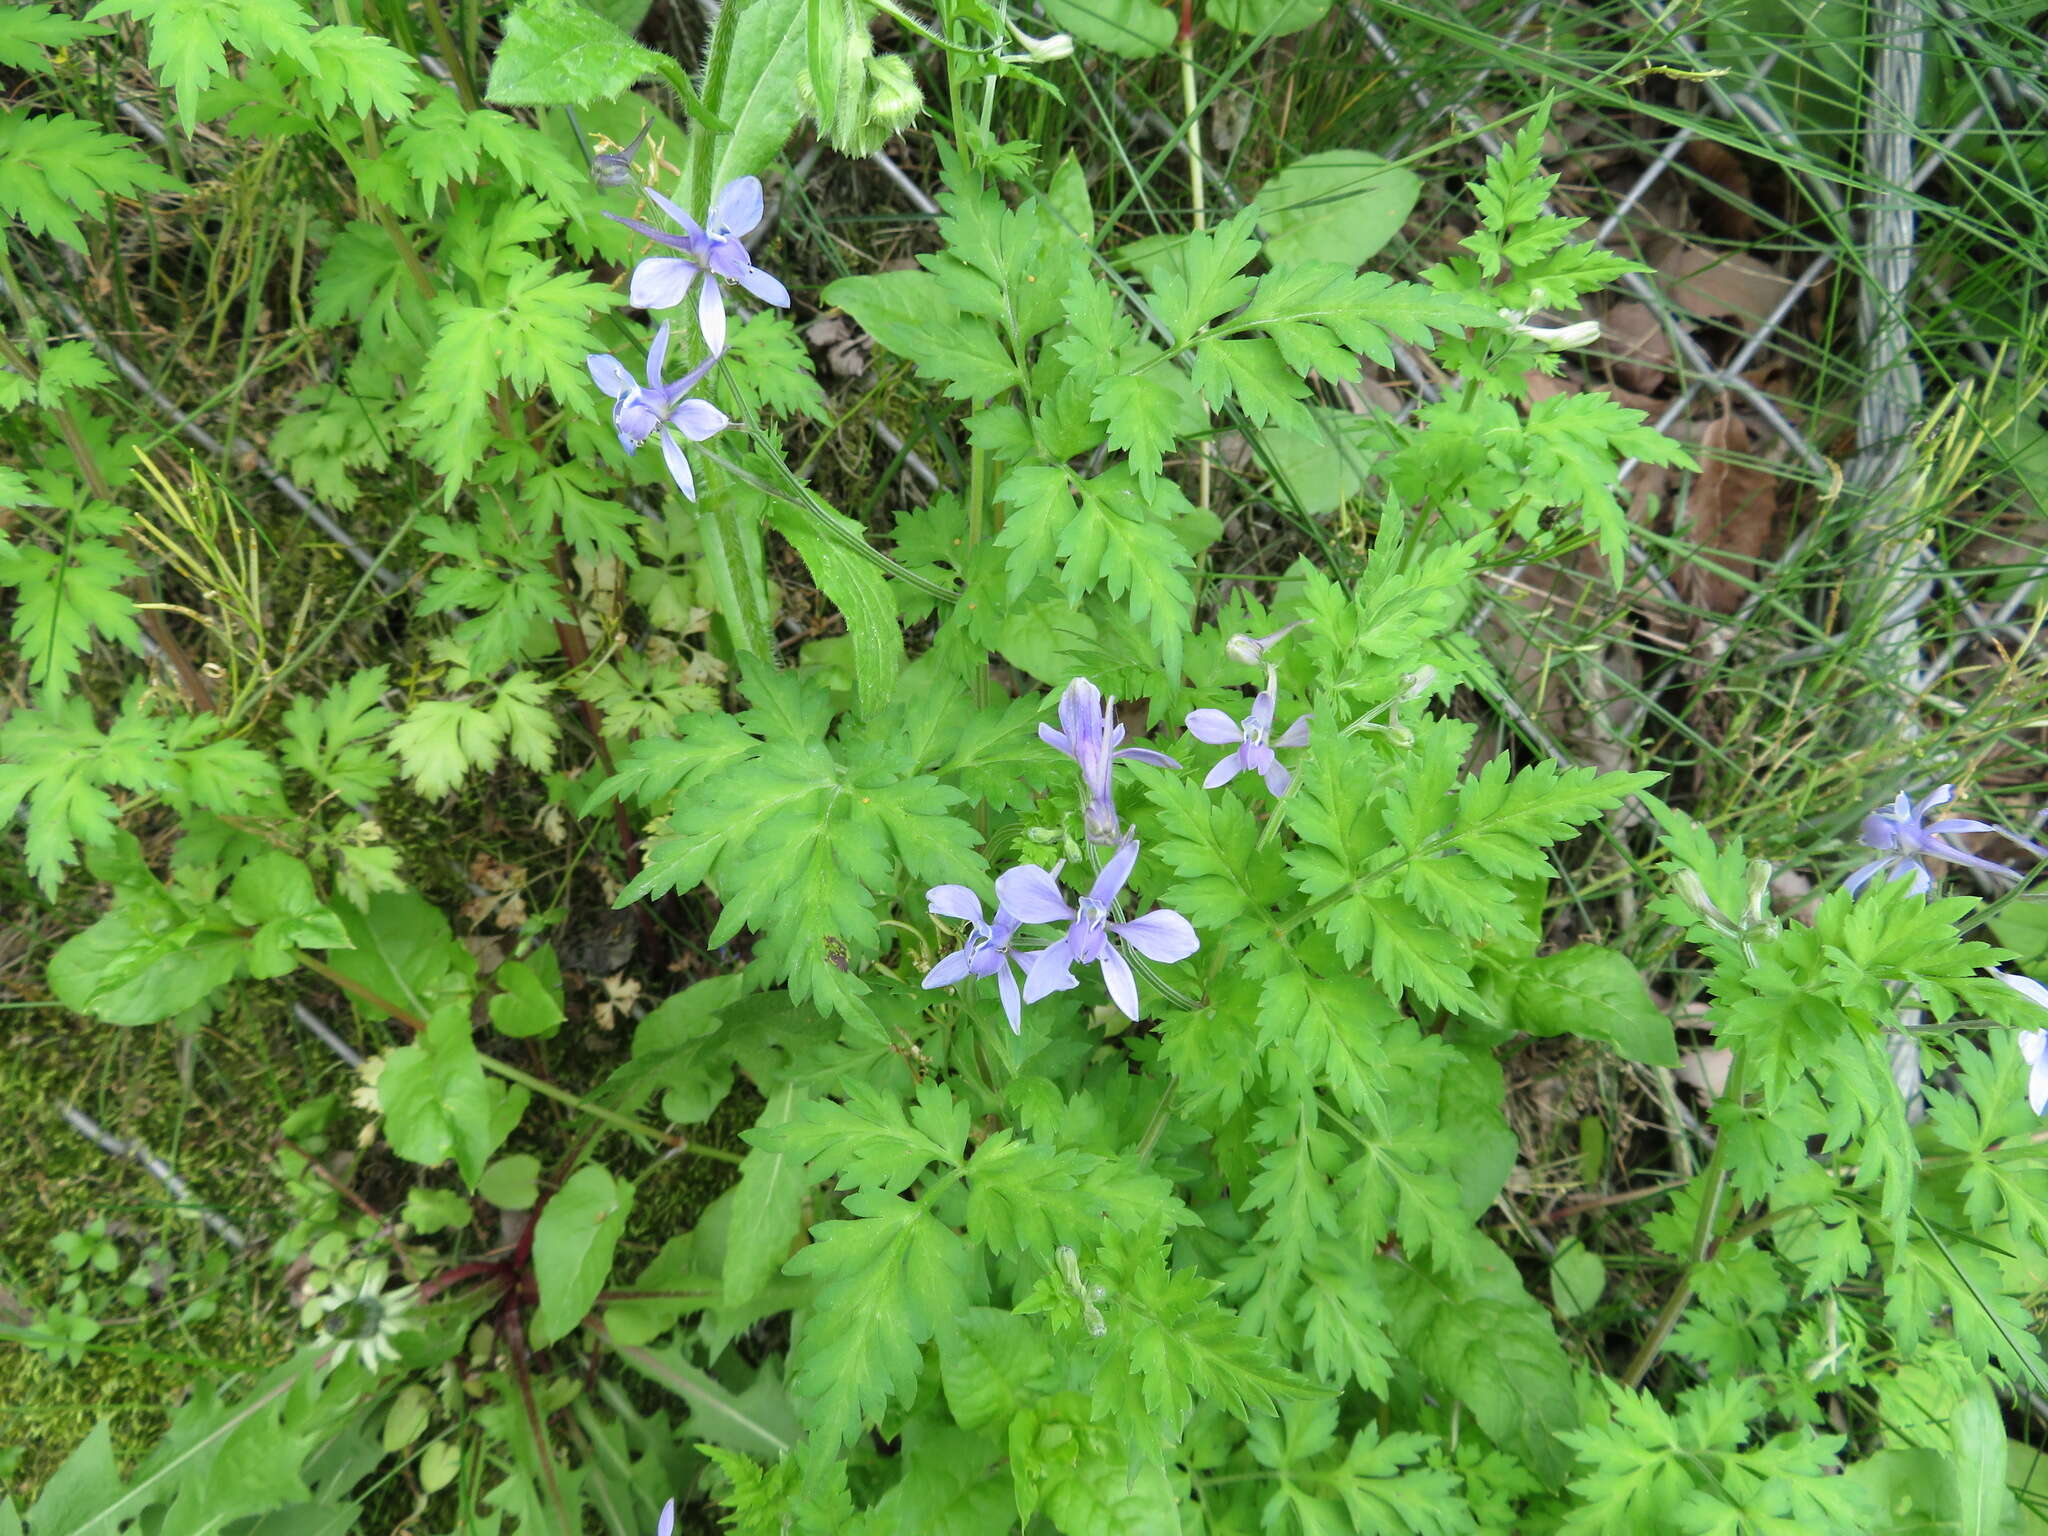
360, 1316
2033, 1043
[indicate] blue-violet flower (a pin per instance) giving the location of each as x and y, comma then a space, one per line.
1254, 740
986, 952
714, 249
640, 410
1090, 735
1034, 896
1906, 839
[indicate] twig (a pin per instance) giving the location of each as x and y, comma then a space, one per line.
158, 1169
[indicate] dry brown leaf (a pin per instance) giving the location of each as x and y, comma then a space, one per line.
1638, 345
1718, 285
1721, 169
1730, 513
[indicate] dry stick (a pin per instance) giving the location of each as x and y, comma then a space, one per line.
158, 1169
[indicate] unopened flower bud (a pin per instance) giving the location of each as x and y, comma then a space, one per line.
1041, 50
1559, 338
614, 168
894, 98
1693, 893
1250, 650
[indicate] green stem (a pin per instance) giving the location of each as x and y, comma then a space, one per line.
704, 131
458, 65
1704, 1240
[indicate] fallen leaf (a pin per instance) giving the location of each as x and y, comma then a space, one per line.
1725, 187
1718, 285
1706, 1071
1729, 516
1638, 346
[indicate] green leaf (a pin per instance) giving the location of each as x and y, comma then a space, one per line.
188, 39
530, 1002
860, 593
992, 1363
141, 965
361, 69
1130, 29
273, 893
1577, 1277
574, 1240
1340, 205
63, 599
1596, 994
434, 1098
511, 1183
914, 315
428, 1211
889, 1279
767, 1203
1141, 409
403, 951
26, 30
558, 53
760, 99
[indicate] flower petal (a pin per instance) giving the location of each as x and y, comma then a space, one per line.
692, 230
1123, 986
699, 419
1225, 770
1057, 740
1162, 935
1959, 824
1113, 874
666, 1525
660, 282
765, 287
1262, 711
2037, 1089
657, 355
1862, 876
678, 466
1296, 735
711, 315
1013, 1005
609, 374
948, 970
1081, 717
1032, 895
1278, 779
1145, 755
1050, 970
737, 208
953, 901
673, 242
1214, 727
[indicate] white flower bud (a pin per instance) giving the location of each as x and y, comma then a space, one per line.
1041, 50
1562, 338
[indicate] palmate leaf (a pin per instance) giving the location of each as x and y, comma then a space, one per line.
888, 1280
63, 597
800, 843
54, 167
188, 39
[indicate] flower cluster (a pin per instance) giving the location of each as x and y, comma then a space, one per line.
1089, 734
716, 250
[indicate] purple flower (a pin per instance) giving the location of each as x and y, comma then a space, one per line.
1903, 834
666, 1525
987, 950
642, 409
1254, 739
2033, 1043
713, 249
1034, 896
1090, 735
